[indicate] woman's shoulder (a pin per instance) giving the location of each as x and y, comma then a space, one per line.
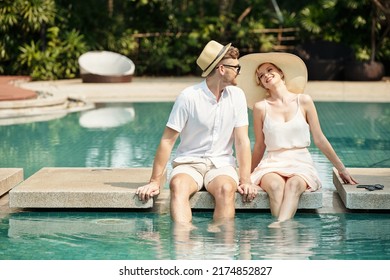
305, 98
259, 105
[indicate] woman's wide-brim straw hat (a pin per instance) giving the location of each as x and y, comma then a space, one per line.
293, 67
212, 53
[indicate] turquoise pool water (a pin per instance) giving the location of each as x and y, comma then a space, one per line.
360, 134
147, 236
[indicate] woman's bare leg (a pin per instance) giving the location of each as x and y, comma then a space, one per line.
293, 190
274, 185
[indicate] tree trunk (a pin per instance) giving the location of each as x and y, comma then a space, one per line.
373, 39
225, 7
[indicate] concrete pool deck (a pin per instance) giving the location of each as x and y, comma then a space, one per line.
114, 188
166, 90
149, 89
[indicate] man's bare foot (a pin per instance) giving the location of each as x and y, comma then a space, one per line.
213, 228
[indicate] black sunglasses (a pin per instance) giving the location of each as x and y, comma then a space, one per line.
237, 67
371, 187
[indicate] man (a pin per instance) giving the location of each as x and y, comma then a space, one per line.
209, 117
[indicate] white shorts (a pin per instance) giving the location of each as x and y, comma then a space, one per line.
203, 171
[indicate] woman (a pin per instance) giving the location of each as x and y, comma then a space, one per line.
283, 118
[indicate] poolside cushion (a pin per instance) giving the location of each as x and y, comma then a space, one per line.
361, 198
204, 200
11, 93
82, 188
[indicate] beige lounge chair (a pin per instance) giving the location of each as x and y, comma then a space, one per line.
105, 67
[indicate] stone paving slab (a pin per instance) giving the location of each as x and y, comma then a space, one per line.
204, 200
81, 188
360, 198
9, 178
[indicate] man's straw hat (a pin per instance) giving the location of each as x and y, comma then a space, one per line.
294, 70
212, 53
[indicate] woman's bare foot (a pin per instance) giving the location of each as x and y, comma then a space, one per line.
276, 224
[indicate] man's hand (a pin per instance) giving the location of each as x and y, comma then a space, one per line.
248, 192
148, 191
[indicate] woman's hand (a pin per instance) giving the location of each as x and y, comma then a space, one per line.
248, 192
346, 177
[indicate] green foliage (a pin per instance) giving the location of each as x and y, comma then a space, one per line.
32, 44
57, 60
36, 13
44, 38
348, 22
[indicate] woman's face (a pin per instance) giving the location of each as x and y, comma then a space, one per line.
268, 74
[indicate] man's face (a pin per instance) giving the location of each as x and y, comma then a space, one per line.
232, 69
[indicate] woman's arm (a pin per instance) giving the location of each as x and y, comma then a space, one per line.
243, 151
259, 146
320, 139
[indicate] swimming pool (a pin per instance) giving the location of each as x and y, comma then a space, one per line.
360, 134
148, 236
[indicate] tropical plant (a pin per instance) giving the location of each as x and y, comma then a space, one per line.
43, 38
22, 21
57, 60
380, 28
365, 29
32, 43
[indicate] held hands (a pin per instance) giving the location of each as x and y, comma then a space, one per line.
346, 177
248, 191
148, 191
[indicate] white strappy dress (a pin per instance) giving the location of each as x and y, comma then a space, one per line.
287, 152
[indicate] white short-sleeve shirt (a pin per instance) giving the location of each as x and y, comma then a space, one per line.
205, 125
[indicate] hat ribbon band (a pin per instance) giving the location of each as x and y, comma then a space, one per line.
219, 54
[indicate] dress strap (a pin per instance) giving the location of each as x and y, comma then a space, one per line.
299, 107
265, 111
298, 103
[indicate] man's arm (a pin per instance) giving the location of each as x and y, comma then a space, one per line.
243, 153
163, 153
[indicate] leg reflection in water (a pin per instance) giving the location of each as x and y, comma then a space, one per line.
216, 241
